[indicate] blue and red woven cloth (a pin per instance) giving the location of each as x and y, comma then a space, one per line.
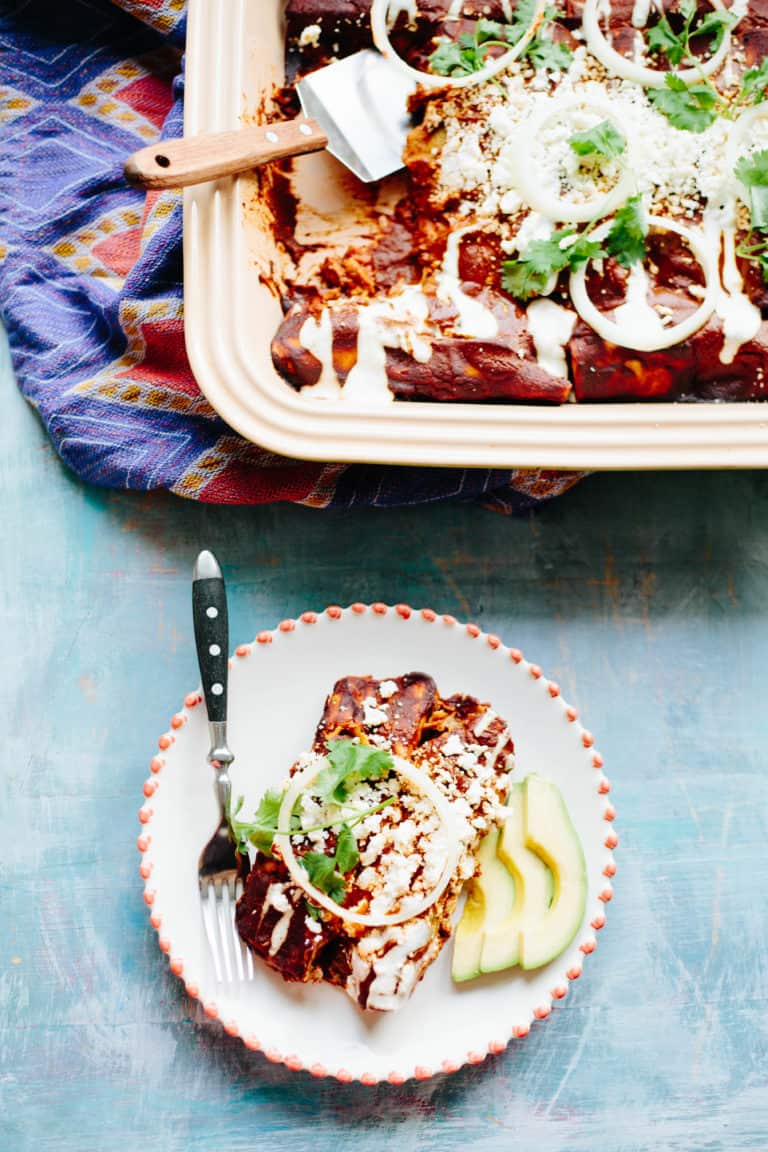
91, 271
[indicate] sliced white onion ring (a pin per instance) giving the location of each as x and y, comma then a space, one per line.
380, 29
619, 65
422, 782
550, 204
613, 332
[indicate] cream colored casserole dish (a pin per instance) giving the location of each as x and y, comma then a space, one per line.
235, 61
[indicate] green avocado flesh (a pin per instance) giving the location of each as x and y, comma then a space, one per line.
551, 835
490, 902
526, 905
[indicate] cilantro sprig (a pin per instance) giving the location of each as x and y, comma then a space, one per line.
349, 764
625, 241
531, 272
689, 107
328, 872
757, 250
752, 171
547, 54
604, 139
754, 83
469, 54
261, 831
676, 46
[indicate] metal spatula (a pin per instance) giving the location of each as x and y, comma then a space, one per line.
355, 108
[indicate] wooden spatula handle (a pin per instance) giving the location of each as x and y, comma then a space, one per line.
177, 163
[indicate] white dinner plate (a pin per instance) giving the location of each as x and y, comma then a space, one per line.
277, 689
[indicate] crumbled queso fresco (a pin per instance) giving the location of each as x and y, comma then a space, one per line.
677, 172
404, 849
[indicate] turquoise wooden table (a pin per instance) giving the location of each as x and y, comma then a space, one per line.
646, 597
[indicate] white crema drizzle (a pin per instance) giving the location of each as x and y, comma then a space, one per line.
474, 318
400, 321
551, 327
636, 314
740, 318
317, 337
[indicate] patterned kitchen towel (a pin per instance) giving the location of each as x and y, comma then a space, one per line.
91, 269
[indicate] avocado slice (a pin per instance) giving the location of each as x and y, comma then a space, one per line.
490, 901
533, 887
528, 902
549, 833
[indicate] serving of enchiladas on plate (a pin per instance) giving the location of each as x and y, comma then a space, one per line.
397, 792
391, 764
583, 213
362, 857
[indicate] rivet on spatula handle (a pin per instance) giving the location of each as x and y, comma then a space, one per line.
194, 159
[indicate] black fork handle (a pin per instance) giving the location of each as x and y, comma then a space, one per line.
209, 613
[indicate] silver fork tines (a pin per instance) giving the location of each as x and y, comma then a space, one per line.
232, 959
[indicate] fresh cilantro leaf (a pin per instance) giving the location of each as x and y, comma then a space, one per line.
662, 39
755, 81
522, 280
347, 854
530, 273
349, 764
602, 140
689, 107
469, 53
549, 54
488, 30
714, 25
752, 171
327, 872
757, 252
449, 59
323, 875
676, 46
262, 829
543, 52
522, 18
626, 239
582, 251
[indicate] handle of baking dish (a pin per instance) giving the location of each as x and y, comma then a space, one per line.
195, 159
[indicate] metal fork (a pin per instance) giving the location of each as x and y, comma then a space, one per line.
219, 870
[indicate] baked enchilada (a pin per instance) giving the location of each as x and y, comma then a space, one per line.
583, 215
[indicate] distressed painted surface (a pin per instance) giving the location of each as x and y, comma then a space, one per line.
647, 598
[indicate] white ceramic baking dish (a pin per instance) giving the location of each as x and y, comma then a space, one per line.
235, 56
